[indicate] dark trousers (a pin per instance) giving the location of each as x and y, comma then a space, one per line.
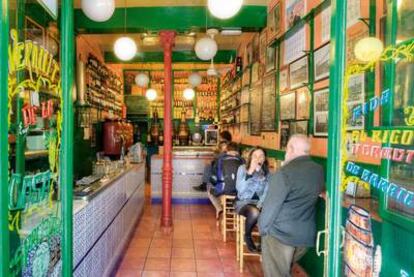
277, 257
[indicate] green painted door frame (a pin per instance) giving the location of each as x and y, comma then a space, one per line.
337, 72
66, 156
4, 129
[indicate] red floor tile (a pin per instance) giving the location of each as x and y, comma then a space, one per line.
161, 243
211, 274
183, 274
157, 264
183, 253
209, 265
140, 242
155, 274
186, 265
128, 273
206, 252
159, 252
129, 263
182, 243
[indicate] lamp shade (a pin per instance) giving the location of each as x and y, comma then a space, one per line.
189, 94
206, 48
142, 80
125, 48
368, 49
151, 94
98, 10
194, 79
224, 9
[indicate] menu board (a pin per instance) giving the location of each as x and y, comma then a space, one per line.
268, 119
256, 110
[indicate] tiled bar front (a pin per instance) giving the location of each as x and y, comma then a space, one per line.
102, 226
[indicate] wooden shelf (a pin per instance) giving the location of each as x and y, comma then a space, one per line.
235, 108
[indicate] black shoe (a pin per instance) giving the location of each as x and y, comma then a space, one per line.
250, 244
202, 187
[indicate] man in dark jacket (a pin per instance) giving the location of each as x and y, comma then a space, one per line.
287, 220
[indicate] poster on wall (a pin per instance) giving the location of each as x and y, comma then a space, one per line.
320, 112
298, 127
255, 109
302, 103
284, 79
326, 24
356, 97
288, 106
274, 21
263, 45
298, 76
295, 9
269, 103
34, 31
321, 62
294, 46
353, 13
256, 48
130, 86
270, 58
284, 134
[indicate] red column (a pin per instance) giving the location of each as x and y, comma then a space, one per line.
167, 41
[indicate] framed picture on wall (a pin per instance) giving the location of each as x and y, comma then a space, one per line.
302, 103
321, 62
249, 53
284, 134
270, 58
256, 77
256, 48
274, 21
263, 45
288, 106
298, 70
34, 31
356, 96
320, 112
298, 127
295, 9
52, 44
284, 79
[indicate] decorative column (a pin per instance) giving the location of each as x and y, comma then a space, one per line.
167, 41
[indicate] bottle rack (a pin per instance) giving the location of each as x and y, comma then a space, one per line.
103, 87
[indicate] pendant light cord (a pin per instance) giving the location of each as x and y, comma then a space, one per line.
125, 16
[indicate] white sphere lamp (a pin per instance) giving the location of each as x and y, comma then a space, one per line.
98, 10
151, 94
194, 79
125, 48
206, 48
189, 93
224, 9
368, 49
142, 80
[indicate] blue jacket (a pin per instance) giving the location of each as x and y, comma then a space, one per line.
247, 187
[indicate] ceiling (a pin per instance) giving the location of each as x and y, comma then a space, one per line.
169, 3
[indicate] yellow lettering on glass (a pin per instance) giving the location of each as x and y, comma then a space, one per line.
409, 115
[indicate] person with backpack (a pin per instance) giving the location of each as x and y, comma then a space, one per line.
252, 184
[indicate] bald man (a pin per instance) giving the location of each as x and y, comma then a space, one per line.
287, 220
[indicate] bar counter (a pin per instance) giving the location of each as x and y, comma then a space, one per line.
188, 168
102, 224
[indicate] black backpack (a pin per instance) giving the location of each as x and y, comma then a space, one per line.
224, 179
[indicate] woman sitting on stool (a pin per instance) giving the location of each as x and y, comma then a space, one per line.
252, 182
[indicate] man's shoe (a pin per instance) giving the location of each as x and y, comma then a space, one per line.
250, 244
202, 187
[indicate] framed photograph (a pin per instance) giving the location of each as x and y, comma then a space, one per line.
34, 32
274, 21
130, 87
298, 127
356, 88
351, 123
298, 75
284, 134
256, 77
256, 95
249, 53
256, 48
284, 79
263, 45
320, 112
211, 136
288, 106
295, 9
321, 58
326, 24
294, 45
302, 104
246, 77
268, 116
270, 58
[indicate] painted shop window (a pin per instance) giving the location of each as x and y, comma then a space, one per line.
405, 20
404, 94
35, 118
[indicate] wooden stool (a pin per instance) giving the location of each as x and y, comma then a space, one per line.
240, 244
228, 221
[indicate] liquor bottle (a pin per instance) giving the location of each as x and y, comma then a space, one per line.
239, 64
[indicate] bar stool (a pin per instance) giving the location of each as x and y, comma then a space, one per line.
240, 244
228, 221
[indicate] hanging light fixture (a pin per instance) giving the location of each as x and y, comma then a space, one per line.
189, 93
142, 80
206, 48
151, 94
368, 49
194, 79
98, 10
211, 71
224, 9
125, 47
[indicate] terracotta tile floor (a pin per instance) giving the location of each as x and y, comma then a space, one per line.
195, 248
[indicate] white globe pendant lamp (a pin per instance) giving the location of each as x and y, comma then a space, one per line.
206, 48
125, 48
368, 49
98, 10
151, 94
189, 93
194, 79
224, 9
142, 80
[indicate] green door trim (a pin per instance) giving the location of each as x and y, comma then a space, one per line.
4, 129
335, 118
